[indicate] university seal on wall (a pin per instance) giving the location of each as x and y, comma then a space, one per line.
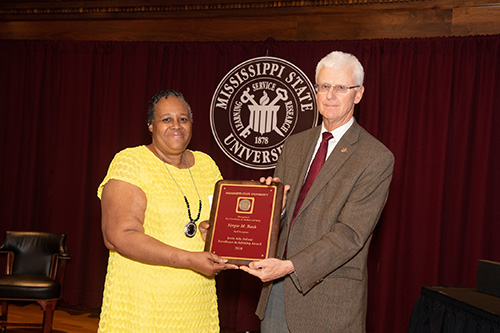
257, 106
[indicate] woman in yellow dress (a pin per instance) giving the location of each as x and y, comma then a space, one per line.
153, 199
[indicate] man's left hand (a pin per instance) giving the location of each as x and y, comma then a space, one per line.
269, 269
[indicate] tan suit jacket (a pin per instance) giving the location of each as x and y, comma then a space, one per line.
328, 243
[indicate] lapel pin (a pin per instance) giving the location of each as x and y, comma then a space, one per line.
343, 150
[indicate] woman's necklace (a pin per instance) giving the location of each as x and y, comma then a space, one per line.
190, 228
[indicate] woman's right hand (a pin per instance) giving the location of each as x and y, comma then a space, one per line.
123, 207
208, 263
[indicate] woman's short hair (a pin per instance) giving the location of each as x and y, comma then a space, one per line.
165, 94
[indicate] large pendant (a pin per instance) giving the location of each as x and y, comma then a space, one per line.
190, 229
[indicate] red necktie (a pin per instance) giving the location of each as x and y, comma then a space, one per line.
317, 163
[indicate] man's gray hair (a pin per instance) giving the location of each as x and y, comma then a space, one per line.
339, 60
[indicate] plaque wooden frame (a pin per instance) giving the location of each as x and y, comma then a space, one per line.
244, 220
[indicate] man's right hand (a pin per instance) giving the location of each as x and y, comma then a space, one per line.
269, 180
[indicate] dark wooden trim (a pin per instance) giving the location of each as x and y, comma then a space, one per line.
251, 20
49, 10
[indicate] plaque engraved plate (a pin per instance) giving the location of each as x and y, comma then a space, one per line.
244, 221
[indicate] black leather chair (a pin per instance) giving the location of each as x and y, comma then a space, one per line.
34, 272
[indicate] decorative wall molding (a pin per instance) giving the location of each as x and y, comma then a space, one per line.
51, 9
250, 20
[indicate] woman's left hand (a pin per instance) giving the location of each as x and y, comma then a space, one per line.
204, 226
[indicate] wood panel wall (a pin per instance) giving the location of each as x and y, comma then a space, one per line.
251, 20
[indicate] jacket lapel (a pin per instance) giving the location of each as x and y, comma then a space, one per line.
306, 150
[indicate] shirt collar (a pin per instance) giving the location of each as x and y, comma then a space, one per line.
339, 132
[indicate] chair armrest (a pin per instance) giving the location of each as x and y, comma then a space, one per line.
65, 255
8, 261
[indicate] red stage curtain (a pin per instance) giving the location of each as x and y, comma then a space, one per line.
68, 107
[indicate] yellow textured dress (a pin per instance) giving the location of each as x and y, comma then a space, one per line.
147, 298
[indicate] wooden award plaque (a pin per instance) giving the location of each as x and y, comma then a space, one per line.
244, 220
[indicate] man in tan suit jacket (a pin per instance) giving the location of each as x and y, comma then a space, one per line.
321, 285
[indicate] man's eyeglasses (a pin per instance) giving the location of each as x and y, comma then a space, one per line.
338, 89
